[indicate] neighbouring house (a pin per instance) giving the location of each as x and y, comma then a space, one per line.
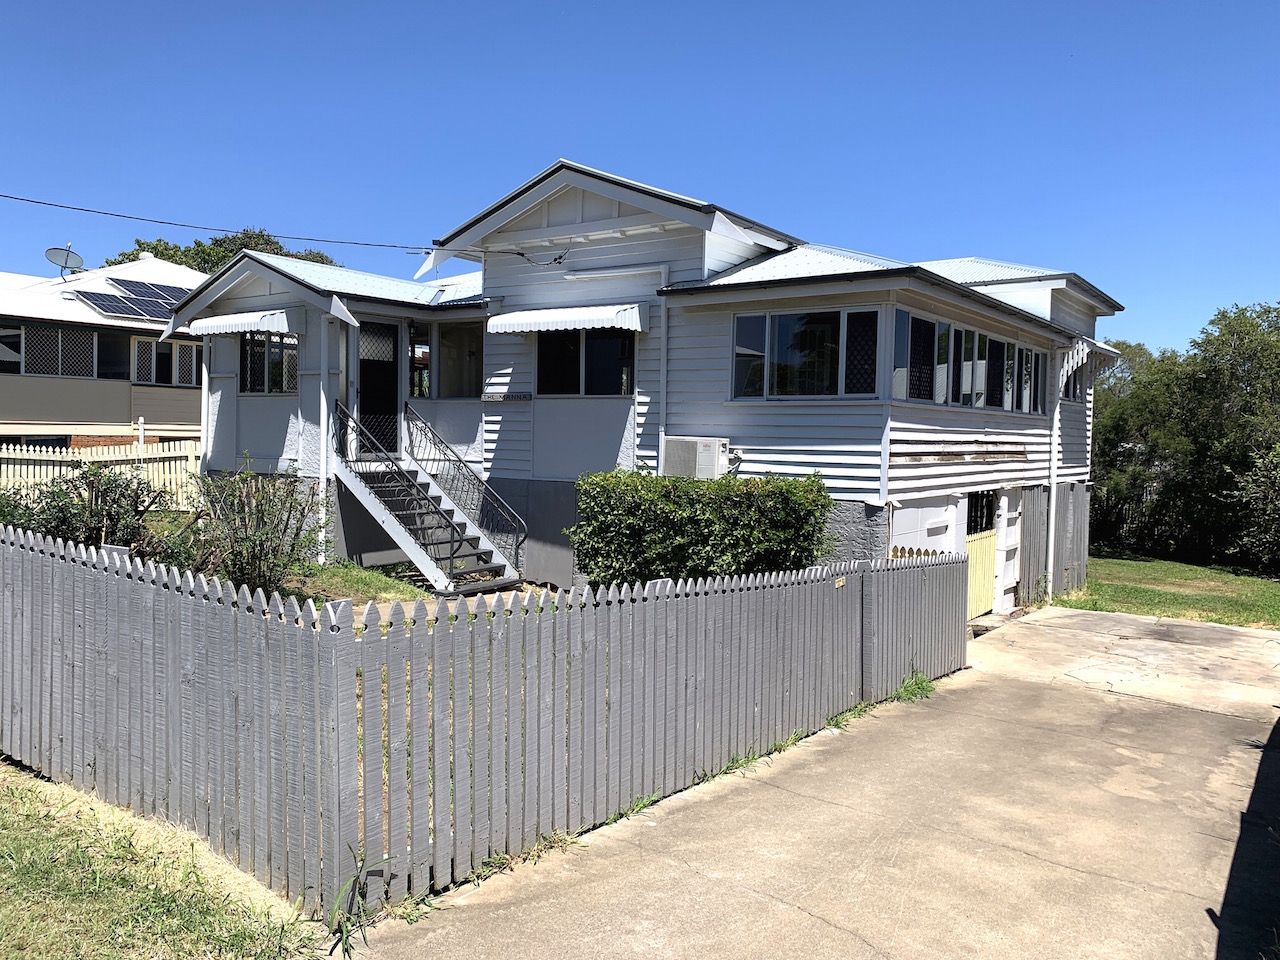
82, 362
946, 404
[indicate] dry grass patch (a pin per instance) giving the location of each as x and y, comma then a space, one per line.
81, 878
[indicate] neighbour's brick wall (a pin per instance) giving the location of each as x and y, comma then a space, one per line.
80, 442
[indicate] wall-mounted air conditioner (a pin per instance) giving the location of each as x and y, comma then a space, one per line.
703, 457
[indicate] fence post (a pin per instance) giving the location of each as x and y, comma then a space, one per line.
867, 634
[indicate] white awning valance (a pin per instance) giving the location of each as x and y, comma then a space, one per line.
618, 316
270, 321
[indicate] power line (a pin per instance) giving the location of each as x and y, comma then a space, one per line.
415, 247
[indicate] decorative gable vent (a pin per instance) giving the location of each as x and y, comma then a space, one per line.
702, 457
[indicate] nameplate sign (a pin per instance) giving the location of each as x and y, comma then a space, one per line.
497, 397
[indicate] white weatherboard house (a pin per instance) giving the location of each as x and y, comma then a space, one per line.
945, 404
81, 360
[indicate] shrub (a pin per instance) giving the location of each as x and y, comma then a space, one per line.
94, 505
258, 529
638, 526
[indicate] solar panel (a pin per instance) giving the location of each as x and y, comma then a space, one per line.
158, 309
110, 304
137, 288
168, 292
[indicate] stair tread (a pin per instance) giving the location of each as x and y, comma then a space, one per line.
482, 586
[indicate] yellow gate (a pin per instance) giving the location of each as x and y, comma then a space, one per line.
982, 572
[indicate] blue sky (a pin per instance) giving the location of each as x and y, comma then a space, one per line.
1135, 143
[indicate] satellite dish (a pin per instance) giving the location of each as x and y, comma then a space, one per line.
64, 258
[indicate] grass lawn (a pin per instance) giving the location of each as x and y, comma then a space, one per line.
80, 878
1166, 589
346, 581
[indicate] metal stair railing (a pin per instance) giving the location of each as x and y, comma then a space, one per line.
354, 443
504, 527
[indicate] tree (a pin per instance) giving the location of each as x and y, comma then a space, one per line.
208, 257
1185, 443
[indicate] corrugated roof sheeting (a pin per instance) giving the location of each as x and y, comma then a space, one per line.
357, 283
984, 270
807, 260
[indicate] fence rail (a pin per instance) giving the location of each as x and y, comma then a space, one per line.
305, 743
167, 465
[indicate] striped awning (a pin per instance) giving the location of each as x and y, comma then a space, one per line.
617, 316
270, 321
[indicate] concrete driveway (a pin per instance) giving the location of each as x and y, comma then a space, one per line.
1081, 792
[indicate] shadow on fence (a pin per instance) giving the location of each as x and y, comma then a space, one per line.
249, 719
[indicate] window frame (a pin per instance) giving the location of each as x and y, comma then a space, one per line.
177, 345
266, 390
58, 328
969, 334
582, 366
842, 346
433, 353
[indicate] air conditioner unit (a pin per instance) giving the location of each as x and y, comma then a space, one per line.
703, 457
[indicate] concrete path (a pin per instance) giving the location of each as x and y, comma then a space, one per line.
1082, 792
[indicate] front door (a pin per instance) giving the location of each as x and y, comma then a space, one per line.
379, 390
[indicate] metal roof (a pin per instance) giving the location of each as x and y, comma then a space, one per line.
54, 299
262, 321
807, 260
984, 270
372, 286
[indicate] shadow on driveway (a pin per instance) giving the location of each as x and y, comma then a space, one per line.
1251, 903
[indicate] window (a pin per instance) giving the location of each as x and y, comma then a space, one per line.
995, 373
749, 356
560, 362
268, 363
55, 351
920, 385
10, 348
166, 363
458, 349
804, 354
824, 353
113, 356
947, 364
597, 363
420, 360
861, 336
609, 363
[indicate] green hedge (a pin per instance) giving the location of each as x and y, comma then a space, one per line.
635, 527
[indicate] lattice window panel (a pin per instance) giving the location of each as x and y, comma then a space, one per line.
144, 367
860, 353
923, 350
186, 364
42, 350
290, 365
377, 342
77, 352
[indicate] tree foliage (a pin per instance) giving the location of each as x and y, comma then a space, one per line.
1187, 445
93, 505
209, 256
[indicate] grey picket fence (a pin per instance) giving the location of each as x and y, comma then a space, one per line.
338, 756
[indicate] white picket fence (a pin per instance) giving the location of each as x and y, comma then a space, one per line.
337, 754
167, 465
